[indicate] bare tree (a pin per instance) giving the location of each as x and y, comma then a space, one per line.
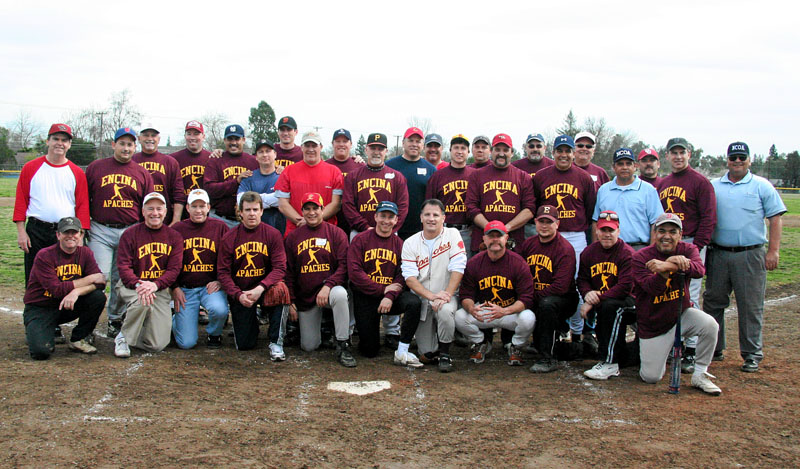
25, 129
121, 113
85, 124
424, 124
214, 124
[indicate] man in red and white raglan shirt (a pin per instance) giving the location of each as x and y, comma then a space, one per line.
287, 153
166, 172
193, 159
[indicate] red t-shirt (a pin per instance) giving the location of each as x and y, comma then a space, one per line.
300, 178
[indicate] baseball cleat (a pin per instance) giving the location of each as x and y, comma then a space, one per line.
478, 352
545, 365
276, 353
445, 364
602, 371
750, 366
687, 364
121, 348
718, 356
214, 341
514, 355
58, 336
703, 382
407, 359
345, 357
82, 346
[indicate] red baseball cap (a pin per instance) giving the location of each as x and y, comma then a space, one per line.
60, 128
314, 198
608, 219
495, 225
502, 138
194, 125
647, 152
414, 131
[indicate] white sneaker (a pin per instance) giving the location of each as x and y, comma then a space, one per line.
702, 382
82, 346
121, 348
276, 353
602, 370
407, 359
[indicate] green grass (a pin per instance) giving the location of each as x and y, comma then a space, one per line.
12, 267
8, 187
788, 270
792, 202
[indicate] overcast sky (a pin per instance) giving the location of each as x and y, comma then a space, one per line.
712, 72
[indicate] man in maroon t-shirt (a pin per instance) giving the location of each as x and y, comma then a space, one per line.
449, 185
166, 172
648, 165
224, 174
585, 146
535, 159
193, 159
481, 151
342, 159
287, 153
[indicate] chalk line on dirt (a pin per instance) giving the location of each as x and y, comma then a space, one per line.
104, 402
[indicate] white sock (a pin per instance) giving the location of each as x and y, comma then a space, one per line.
402, 348
700, 369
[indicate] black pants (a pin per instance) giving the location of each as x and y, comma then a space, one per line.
245, 324
42, 235
40, 321
552, 313
612, 317
368, 319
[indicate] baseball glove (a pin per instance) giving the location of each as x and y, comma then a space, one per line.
277, 294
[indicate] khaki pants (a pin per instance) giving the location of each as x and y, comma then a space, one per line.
146, 327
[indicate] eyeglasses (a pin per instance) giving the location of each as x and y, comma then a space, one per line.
737, 157
608, 216
535, 145
588, 146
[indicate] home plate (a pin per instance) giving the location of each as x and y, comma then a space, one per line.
359, 388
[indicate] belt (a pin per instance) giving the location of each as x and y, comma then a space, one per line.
113, 225
736, 248
638, 244
46, 224
458, 227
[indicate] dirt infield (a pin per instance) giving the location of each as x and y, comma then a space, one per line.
226, 408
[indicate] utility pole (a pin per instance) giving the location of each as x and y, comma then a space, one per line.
396, 142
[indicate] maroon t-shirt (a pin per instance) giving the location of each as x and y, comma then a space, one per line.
598, 174
346, 167
499, 194
284, 158
606, 270
249, 257
116, 191
166, 174
193, 168
53, 274
315, 257
220, 180
449, 185
148, 254
373, 262
552, 265
691, 196
572, 192
530, 167
201, 242
656, 297
655, 182
365, 188
502, 282
481, 165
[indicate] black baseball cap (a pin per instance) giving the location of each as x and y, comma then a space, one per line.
678, 142
738, 148
377, 139
287, 121
263, 142
68, 223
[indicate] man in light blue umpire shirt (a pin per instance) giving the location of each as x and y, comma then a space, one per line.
737, 258
635, 201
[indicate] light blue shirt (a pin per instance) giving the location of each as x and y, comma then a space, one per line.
637, 205
741, 209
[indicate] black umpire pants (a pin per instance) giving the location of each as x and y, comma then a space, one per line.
42, 235
552, 313
368, 319
41, 321
613, 315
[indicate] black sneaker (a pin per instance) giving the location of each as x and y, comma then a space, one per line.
590, 345
718, 356
214, 341
202, 319
114, 328
445, 364
429, 358
345, 356
750, 366
687, 364
59, 336
460, 340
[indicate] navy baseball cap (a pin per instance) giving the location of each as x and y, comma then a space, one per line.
121, 132
622, 154
287, 121
264, 142
534, 137
677, 142
342, 133
387, 206
564, 140
234, 130
433, 138
738, 148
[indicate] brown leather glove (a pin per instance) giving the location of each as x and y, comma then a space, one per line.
277, 294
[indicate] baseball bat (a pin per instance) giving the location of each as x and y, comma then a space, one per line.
675, 369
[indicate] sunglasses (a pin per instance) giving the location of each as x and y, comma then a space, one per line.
737, 157
535, 145
584, 145
608, 216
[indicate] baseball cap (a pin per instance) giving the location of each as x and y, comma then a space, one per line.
482, 138
608, 218
121, 132
495, 225
314, 198
547, 211
234, 130
623, 153
667, 217
69, 223
677, 142
311, 136
502, 138
387, 206
148, 126
459, 138
738, 148
342, 133
263, 142
433, 138
377, 139
534, 137
648, 152
154, 195
586, 134
194, 125
60, 128
564, 140
413, 131
197, 194
287, 121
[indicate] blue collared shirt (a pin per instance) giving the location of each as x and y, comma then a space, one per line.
741, 209
637, 205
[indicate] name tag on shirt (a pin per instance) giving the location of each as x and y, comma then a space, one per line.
389, 175
320, 241
594, 178
422, 171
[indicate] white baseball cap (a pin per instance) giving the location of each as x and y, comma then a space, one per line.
586, 134
197, 194
154, 195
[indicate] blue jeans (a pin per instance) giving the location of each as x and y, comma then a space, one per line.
184, 322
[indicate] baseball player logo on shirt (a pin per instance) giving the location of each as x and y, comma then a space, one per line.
196, 172
153, 251
458, 188
198, 246
120, 182
669, 195
312, 247
249, 251
380, 257
374, 186
562, 191
669, 293
500, 188
539, 262
605, 270
501, 289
